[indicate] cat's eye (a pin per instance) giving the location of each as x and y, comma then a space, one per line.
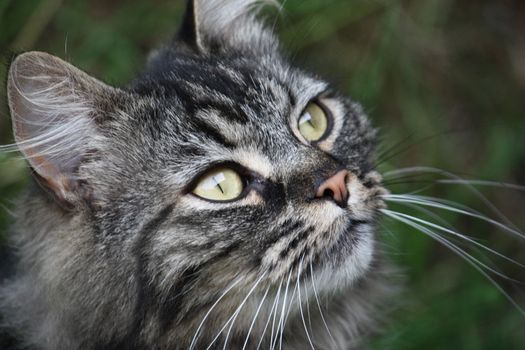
313, 123
220, 184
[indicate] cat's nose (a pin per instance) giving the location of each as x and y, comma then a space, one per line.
335, 188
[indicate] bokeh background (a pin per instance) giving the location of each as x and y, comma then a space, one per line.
443, 80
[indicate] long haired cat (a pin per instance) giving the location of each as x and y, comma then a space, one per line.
224, 199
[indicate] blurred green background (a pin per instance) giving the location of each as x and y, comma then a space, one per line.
447, 77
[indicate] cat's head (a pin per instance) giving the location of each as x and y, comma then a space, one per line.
220, 168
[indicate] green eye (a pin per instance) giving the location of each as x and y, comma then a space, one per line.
221, 184
313, 123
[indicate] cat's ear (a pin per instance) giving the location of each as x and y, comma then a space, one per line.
55, 109
227, 25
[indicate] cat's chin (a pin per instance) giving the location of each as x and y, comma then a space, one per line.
348, 260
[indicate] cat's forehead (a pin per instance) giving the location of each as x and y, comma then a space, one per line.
246, 102
255, 86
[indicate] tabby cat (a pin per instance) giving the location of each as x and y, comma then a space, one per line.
223, 199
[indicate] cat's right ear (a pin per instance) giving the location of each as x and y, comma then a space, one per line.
189, 32
227, 25
55, 110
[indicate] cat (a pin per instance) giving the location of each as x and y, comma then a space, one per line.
223, 199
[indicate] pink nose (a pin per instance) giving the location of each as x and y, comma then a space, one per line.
335, 188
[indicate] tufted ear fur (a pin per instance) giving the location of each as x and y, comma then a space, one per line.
226, 25
54, 108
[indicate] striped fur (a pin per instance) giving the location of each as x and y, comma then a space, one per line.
135, 261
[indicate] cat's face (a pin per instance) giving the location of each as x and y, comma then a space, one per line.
238, 120
221, 163
245, 121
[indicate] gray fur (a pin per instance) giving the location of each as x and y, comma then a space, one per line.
127, 258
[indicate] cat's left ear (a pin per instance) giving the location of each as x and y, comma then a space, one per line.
57, 112
227, 25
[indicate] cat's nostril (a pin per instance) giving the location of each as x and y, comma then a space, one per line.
328, 193
335, 188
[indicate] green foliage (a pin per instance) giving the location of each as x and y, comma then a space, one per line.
449, 75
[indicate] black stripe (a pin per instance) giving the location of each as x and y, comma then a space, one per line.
169, 308
194, 102
226, 111
212, 133
293, 244
288, 228
144, 292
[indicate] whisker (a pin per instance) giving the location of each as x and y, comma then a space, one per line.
430, 214
449, 244
393, 152
439, 203
235, 314
443, 222
292, 298
255, 318
279, 325
407, 176
471, 261
484, 183
411, 182
471, 188
272, 309
283, 313
278, 297
301, 302
319, 306
464, 237
195, 337
308, 308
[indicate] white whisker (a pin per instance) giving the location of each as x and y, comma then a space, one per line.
280, 328
466, 238
429, 213
469, 259
319, 306
413, 222
272, 310
287, 313
437, 203
484, 183
308, 308
235, 314
301, 306
195, 337
255, 318
472, 189
278, 297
